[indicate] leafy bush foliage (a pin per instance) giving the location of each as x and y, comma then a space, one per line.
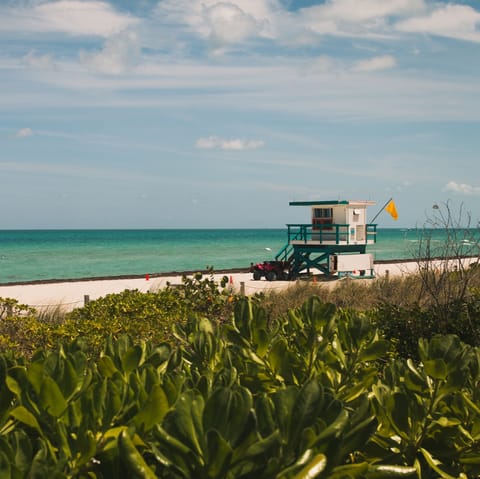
146, 316
316, 393
405, 325
192, 382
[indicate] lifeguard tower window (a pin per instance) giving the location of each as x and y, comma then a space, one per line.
323, 212
322, 216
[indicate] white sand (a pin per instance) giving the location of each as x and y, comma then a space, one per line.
71, 294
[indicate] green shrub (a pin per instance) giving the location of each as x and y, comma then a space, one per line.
21, 332
313, 393
146, 316
404, 326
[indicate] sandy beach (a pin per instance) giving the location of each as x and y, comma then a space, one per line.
73, 294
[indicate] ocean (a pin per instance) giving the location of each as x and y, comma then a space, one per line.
32, 255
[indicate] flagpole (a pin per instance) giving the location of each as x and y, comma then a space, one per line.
382, 208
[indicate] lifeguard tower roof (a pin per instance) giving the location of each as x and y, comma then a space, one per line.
332, 202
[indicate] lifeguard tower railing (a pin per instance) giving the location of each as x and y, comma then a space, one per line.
325, 238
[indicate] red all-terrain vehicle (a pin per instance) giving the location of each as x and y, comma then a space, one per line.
272, 270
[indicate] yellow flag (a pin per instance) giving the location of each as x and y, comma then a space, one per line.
392, 209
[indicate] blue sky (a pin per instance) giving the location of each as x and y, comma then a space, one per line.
209, 113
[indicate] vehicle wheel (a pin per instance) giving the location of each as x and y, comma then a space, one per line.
257, 275
271, 276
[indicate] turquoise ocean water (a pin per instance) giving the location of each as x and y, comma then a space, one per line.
30, 255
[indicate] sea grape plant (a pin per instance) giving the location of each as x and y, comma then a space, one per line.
314, 394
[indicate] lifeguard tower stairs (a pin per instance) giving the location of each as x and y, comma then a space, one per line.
334, 242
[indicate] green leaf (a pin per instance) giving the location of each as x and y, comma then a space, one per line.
6, 397
414, 381
234, 337
219, 454
131, 358
447, 422
106, 366
386, 471
35, 375
61, 439
350, 471
264, 409
227, 411
132, 459
23, 451
88, 450
361, 426
242, 316
168, 440
334, 428
22, 414
436, 368
262, 447
159, 355
262, 342
284, 400
277, 355
352, 391
447, 348
154, 409
51, 398
5, 467
434, 464
317, 313
399, 413
315, 467
70, 380
304, 459
471, 404
175, 359
470, 459
307, 405
184, 422
13, 386
3, 370
374, 351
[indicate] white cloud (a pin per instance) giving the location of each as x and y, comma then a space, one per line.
323, 64
384, 62
191, 10
24, 133
462, 188
352, 17
222, 22
228, 23
258, 88
234, 21
119, 54
73, 17
365, 10
214, 142
454, 21
44, 62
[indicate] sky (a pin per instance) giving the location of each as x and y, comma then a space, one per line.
218, 113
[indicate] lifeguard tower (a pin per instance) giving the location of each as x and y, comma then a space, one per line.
334, 242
